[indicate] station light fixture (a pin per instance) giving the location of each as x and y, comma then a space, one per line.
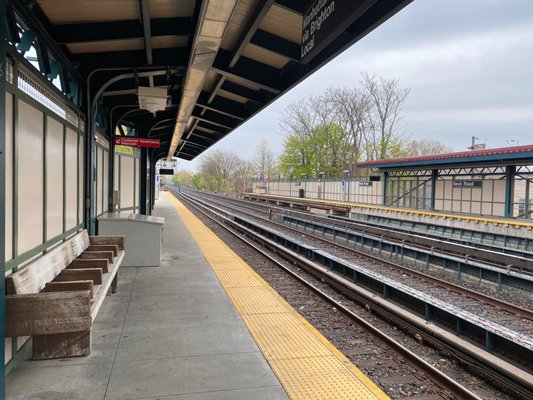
152, 99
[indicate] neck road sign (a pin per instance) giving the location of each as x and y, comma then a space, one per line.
324, 20
136, 142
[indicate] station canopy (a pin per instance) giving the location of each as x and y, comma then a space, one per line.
199, 69
514, 155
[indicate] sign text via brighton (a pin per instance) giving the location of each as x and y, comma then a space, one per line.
324, 20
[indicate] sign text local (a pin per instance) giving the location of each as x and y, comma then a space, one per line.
137, 142
324, 20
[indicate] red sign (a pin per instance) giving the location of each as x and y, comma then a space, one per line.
136, 142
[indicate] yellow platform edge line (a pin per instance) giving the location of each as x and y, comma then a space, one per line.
450, 215
199, 235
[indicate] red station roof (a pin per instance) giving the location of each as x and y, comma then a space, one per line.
499, 154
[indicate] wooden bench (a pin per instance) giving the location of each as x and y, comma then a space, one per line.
55, 298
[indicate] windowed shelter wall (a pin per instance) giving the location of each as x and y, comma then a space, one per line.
127, 181
44, 173
478, 190
523, 192
354, 189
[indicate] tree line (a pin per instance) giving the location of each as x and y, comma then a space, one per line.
324, 134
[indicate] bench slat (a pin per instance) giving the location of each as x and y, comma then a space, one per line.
32, 277
92, 274
118, 240
80, 263
104, 247
97, 254
69, 286
48, 313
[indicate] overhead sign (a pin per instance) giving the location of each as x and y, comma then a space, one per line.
324, 20
136, 142
166, 171
467, 183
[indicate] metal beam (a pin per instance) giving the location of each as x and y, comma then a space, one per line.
147, 35
116, 30
36, 19
215, 89
295, 6
203, 144
215, 119
243, 91
276, 44
255, 21
43, 58
12, 33
209, 127
223, 106
250, 71
174, 57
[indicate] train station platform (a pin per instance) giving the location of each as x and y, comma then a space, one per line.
179, 333
372, 212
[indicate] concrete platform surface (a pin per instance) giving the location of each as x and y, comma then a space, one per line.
170, 333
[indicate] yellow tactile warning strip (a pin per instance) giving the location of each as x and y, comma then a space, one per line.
308, 366
434, 214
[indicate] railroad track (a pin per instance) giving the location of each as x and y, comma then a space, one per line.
383, 356
512, 245
483, 262
434, 323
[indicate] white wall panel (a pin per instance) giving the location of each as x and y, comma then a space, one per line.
137, 184
81, 149
126, 182
54, 178
105, 189
30, 177
71, 175
9, 178
99, 179
116, 178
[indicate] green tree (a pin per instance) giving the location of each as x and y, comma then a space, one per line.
183, 178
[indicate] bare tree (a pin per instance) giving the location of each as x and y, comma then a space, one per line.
219, 165
242, 179
428, 146
352, 108
385, 114
332, 132
264, 160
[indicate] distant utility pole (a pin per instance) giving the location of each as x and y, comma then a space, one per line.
476, 146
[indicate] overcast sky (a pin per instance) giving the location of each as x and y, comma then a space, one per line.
469, 64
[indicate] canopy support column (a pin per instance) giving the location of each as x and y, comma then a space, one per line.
434, 176
3, 36
143, 171
510, 172
384, 191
